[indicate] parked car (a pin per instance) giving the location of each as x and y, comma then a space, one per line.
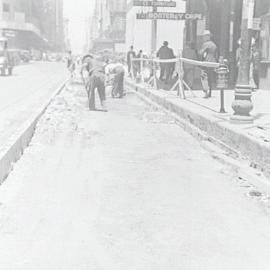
6, 59
25, 56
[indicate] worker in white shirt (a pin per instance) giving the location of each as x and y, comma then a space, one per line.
116, 71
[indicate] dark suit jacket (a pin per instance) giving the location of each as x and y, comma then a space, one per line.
165, 53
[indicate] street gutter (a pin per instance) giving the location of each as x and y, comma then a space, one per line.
20, 140
207, 126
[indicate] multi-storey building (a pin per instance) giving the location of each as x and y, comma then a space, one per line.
140, 32
52, 23
223, 19
67, 43
31, 24
18, 23
108, 25
117, 9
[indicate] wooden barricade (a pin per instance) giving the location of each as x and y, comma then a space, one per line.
180, 83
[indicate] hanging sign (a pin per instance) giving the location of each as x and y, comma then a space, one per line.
169, 16
138, 3
256, 24
250, 14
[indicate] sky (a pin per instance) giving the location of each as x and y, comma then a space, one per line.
77, 11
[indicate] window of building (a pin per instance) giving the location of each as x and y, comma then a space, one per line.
119, 24
265, 38
6, 7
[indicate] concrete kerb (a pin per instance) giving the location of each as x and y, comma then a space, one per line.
211, 128
190, 128
17, 143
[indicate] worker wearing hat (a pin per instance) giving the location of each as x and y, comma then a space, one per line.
208, 53
95, 80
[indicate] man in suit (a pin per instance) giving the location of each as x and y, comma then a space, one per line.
166, 68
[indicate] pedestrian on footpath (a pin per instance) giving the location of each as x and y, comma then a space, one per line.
237, 59
208, 53
255, 63
166, 69
189, 52
137, 65
71, 64
131, 54
117, 70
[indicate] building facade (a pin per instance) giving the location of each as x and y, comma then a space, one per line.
18, 23
53, 24
108, 24
139, 31
30, 24
117, 27
262, 13
223, 19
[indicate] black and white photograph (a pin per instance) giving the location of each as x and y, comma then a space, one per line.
134, 134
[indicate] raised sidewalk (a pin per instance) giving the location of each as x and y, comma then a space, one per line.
199, 115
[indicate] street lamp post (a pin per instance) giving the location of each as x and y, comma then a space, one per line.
154, 31
242, 104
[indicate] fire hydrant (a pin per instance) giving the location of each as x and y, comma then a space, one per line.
222, 81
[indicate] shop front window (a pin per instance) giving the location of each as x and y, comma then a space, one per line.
6, 7
265, 36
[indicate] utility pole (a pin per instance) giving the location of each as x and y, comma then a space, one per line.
57, 23
101, 20
242, 104
154, 31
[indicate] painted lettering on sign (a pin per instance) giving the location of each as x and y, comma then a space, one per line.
138, 3
169, 16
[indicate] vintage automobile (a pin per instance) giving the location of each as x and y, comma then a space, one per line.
25, 56
6, 59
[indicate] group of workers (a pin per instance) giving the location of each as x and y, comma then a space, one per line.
134, 68
208, 53
166, 69
96, 75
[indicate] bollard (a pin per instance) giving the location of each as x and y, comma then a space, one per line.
222, 81
222, 107
141, 70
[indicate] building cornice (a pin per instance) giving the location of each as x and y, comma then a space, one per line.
12, 25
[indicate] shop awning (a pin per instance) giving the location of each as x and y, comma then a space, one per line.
25, 40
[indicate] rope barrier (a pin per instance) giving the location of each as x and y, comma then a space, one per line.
179, 59
180, 83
